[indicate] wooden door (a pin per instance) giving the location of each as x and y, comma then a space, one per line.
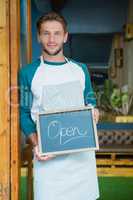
9, 64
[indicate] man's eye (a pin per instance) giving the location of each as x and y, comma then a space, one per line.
57, 33
45, 33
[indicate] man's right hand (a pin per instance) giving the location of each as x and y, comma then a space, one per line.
33, 139
41, 158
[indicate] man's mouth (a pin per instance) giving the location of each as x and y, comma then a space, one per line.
52, 45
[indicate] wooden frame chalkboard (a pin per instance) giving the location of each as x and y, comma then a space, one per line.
67, 131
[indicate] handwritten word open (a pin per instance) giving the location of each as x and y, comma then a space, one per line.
65, 134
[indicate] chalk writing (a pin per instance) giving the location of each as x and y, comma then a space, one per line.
65, 134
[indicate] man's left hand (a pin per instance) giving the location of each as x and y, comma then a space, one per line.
96, 115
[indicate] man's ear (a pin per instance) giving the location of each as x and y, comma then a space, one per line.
38, 38
66, 37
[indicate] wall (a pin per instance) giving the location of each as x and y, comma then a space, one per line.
95, 16
88, 17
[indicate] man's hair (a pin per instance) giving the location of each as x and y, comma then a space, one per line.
51, 16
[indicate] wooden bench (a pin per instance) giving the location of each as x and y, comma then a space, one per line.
115, 156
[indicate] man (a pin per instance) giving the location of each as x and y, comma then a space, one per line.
55, 82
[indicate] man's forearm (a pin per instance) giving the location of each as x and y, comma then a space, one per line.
33, 139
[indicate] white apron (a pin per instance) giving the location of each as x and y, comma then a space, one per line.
72, 176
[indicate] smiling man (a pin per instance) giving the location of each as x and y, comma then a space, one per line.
56, 82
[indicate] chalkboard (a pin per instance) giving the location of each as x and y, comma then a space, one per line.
67, 131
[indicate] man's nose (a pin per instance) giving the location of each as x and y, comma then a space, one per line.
51, 38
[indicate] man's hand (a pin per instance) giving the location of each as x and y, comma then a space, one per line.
96, 115
41, 158
33, 139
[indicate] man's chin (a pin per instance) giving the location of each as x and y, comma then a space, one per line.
52, 53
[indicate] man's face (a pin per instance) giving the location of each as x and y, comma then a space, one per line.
52, 37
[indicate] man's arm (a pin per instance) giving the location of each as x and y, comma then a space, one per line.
89, 95
32, 139
26, 123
